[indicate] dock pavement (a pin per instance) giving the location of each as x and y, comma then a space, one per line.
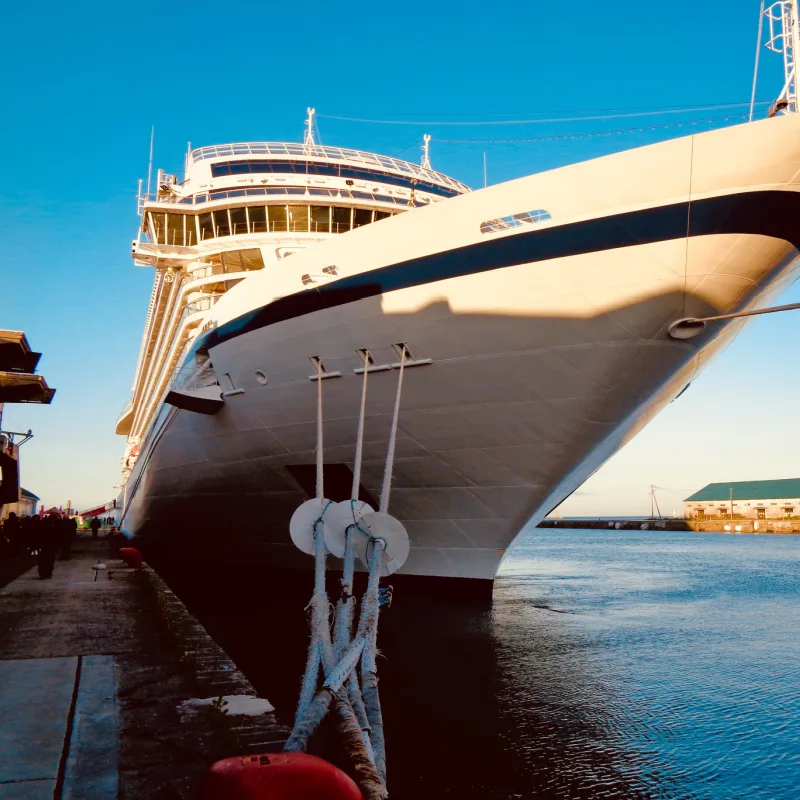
110, 689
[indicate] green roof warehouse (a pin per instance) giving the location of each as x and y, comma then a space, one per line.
778, 499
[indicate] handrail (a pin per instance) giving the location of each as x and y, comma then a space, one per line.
275, 192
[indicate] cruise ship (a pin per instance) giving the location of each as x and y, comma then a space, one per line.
535, 320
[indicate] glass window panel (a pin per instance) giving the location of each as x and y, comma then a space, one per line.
206, 226
190, 237
221, 224
251, 259
341, 219
220, 169
232, 261
258, 219
277, 218
381, 215
298, 218
159, 226
320, 219
175, 229
361, 216
238, 220
240, 168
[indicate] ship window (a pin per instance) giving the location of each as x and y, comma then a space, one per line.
514, 220
222, 225
381, 215
251, 259
258, 219
361, 216
277, 218
334, 170
159, 227
242, 260
175, 229
298, 218
320, 219
190, 237
238, 220
341, 219
206, 226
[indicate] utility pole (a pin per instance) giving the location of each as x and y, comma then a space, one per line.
731, 500
654, 503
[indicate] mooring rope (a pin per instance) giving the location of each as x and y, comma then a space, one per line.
387, 473
356, 708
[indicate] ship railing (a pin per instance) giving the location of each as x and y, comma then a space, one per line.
203, 304
283, 191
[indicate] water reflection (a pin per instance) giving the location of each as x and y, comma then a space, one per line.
622, 664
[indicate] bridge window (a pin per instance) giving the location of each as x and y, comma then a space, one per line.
222, 225
238, 220
340, 222
206, 226
277, 218
258, 219
175, 229
159, 223
190, 231
320, 219
361, 216
515, 220
298, 219
186, 230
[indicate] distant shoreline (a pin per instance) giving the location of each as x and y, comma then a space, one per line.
751, 526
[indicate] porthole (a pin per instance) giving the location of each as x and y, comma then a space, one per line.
261, 377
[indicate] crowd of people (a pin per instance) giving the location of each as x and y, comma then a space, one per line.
43, 536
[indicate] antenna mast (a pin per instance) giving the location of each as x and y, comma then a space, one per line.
426, 151
784, 38
150, 162
308, 138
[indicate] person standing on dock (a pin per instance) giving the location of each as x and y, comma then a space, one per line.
49, 539
95, 526
68, 529
13, 534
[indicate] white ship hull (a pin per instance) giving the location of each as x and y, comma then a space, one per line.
548, 346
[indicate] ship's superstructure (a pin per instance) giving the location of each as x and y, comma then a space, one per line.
241, 208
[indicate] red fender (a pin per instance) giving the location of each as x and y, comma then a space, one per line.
276, 776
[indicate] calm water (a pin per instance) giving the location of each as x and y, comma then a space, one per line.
612, 664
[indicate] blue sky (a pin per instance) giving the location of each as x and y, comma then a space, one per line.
84, 82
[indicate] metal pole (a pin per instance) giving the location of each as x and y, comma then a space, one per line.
731, 502
795, 50
758, 54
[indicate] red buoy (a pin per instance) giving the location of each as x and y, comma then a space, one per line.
277, 776
131, 556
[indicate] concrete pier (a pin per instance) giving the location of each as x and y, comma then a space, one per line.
101, 688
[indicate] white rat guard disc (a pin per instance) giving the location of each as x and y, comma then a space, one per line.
338, 518
383, 526
301, 525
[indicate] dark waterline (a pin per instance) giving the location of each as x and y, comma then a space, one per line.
630, 664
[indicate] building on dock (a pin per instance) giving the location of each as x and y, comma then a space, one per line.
778, 499
24, 507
